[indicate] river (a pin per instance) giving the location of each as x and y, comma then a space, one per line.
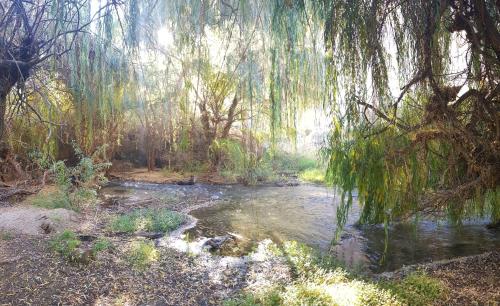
307, 214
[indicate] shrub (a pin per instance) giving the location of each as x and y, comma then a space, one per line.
151, 220
142, 254
89, 176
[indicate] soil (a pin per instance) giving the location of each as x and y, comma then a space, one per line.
32, 220
471, 280
36, 275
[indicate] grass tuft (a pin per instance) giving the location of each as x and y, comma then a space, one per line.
52, 200
150, 220
6, 235
66, 244
63, 199
142, 254
100, 245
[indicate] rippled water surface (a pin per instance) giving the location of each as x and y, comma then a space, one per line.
307, 214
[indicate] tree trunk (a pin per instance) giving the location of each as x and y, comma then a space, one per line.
151, 159
4, 148
150, 152
208, 130
230, 118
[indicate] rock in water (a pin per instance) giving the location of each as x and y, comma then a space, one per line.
217, 242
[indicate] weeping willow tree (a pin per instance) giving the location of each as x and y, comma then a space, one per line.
415, 88
277, 67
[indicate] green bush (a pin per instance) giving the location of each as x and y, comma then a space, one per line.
151, 220
89, 176
142, 254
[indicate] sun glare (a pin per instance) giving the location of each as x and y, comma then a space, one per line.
165, 37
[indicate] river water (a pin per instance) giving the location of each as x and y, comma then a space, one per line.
307, 214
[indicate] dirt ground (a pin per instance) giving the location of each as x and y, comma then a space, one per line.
473, 280
34, 275
470, 280
31, 220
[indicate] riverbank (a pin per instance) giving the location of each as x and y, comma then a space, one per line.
279, 179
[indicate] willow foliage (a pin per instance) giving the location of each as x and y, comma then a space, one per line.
432, 144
